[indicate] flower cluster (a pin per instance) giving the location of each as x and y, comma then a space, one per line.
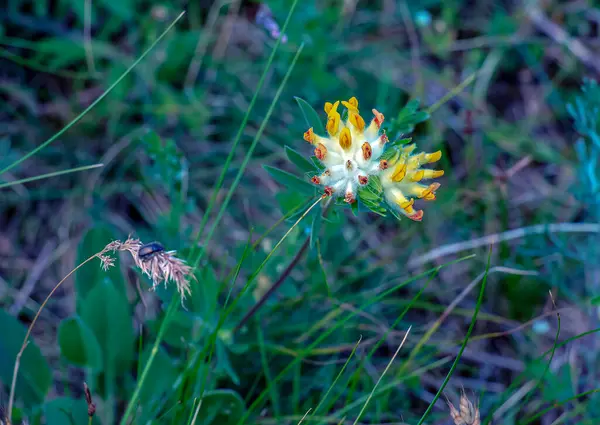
360, 162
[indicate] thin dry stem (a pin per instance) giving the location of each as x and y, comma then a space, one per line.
11, 397
162, 266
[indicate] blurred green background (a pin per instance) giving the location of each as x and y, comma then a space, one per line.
520, 145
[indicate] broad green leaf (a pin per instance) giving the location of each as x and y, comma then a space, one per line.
106, 311
222, 407
34, 378
163, 375
78, 344
291, 181
318, 164
311, 116
90, 275
299, 160
65, 411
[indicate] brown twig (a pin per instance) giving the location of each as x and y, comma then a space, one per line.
282, 277
276, 285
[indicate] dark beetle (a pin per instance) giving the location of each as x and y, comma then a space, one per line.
149, 250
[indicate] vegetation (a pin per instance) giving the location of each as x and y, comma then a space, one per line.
278, 298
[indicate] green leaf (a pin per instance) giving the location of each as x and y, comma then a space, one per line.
169, 166
34, 378
106, 311
400, 142
310, 116
223, 365
299, 160
66, 411
374, 184
318, 164
222, 407
78, 344
291, 181
315, 228
163, 372
354, 207
389, 153
90, 275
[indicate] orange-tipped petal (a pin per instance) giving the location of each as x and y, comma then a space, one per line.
320, 151
378, 117
367, 151
309, 136
417, 216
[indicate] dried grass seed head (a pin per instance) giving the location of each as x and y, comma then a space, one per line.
466, 414
159, 265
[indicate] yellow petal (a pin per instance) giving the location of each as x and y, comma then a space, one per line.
309, 136
418, 176
433, 157
328, 106
432, 174
345, 139
333, 123
357, 121
399, 172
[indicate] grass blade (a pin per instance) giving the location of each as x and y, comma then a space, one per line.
52, 174
381, 377
464, 344
95, 102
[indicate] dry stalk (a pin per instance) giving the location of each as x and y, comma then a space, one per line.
162, 266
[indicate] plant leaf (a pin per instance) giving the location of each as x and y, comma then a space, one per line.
291, 181
106, 311
310, 116
78, 344
34, 379
87, 277
299, 160
222, 407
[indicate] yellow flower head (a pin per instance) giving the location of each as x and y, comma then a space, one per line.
361, 163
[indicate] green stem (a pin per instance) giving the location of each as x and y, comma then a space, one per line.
161, 333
